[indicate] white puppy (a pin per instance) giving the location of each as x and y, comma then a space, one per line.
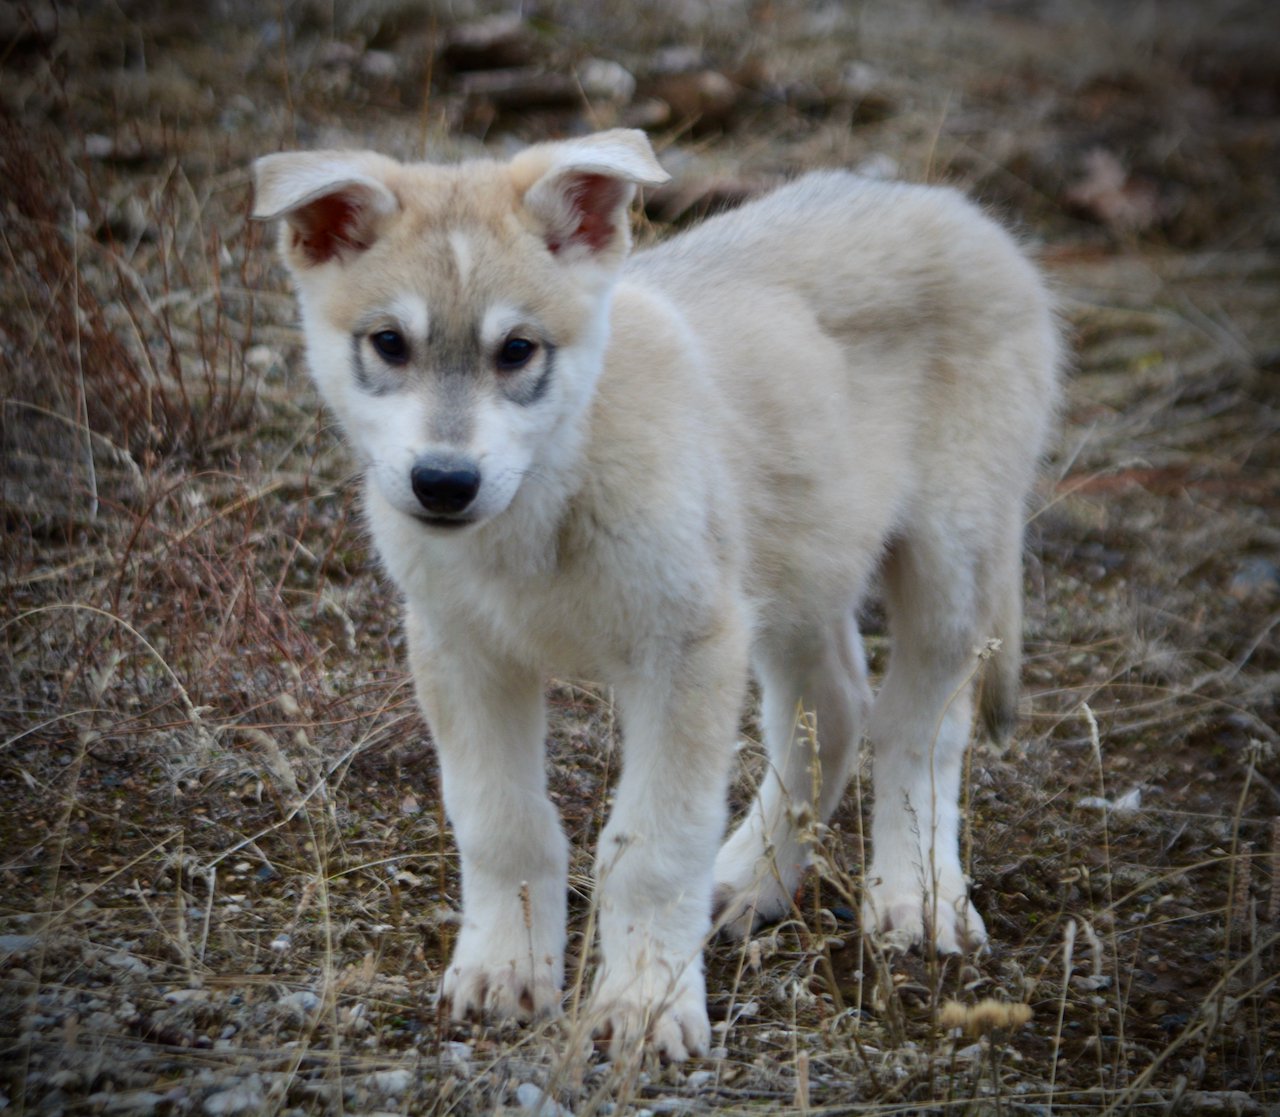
662, 472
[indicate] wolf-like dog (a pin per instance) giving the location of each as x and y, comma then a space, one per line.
665, 471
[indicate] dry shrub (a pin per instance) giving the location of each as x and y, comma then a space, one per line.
144, 577
119, 369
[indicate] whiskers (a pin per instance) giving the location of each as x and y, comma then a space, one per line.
532, 473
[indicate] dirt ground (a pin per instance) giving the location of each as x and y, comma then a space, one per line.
226, 882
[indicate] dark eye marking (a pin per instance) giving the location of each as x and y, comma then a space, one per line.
528, 389
516, 352
390, 346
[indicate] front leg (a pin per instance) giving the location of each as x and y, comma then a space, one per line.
656, 855
488, 722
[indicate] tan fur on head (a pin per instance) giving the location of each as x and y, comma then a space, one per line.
335, 202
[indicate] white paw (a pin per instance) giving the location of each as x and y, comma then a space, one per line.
652, 1012
501, 989
753, 888
906, 914
737, 913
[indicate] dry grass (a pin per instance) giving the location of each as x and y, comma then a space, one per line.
226, 884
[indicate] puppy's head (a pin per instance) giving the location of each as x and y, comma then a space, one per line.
456, 316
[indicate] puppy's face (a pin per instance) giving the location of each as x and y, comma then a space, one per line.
456, 317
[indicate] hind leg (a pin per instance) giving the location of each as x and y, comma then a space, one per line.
760, 866
943, 604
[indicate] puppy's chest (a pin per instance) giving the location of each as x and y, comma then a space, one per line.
584, 623
598, 599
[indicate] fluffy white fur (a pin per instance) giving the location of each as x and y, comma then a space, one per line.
718, 446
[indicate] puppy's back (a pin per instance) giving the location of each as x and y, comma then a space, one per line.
863, 253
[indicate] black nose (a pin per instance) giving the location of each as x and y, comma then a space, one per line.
445, 488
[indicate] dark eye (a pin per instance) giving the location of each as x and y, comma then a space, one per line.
391, 346
516, 352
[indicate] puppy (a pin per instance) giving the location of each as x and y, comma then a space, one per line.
665, 471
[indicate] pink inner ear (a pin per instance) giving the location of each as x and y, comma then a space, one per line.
594, 200
323, 228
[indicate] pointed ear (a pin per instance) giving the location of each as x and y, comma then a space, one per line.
332, 202
578, 191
